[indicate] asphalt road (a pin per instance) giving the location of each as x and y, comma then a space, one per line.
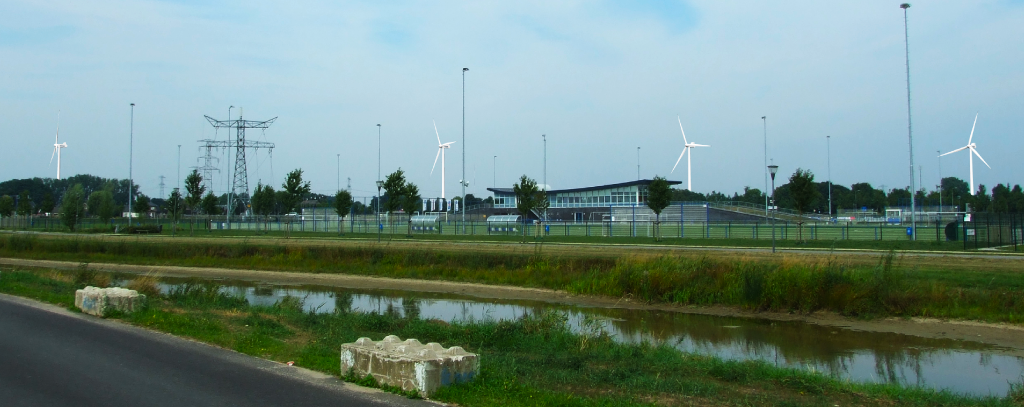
52, 357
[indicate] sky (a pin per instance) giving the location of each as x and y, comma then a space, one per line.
599, 78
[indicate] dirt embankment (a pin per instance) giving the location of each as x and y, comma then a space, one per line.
1004, 335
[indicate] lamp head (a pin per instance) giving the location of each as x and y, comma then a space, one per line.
133, 104
378, 124
905, 6
380, 184
773, 169
465, 69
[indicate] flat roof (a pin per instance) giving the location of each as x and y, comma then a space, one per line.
594, 188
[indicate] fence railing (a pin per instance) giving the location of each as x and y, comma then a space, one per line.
986, 231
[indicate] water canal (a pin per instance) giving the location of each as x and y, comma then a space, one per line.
959, 366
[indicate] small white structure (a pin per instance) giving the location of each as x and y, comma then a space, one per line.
409, 364
97, 301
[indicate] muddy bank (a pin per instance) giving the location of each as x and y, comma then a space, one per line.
1004, 335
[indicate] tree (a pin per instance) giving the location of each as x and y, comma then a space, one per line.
210, 205
101, 205
48, 204
141, 205
264, 199
982, 202
295, 190
24, 204
71, 206
804, 193
526, 198
394, 187
658, 197
6, 206
342, 205
411, 201
194, 190
174, 207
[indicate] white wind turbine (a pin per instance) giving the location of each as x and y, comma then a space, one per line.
57, 146
973, 152
687, 145
440, 153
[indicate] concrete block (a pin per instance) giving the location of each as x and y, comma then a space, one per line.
409, 364
98, 301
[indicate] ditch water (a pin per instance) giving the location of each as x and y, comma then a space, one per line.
959, 366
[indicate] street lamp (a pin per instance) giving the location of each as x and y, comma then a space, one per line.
910, 136
545, 137
940, 182
638, 163
339, 171
463, 180
494, 172
131, 148
764, 121
828, 142
380, 184
773, 169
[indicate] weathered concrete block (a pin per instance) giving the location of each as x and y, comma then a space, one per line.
409, 364
97, 301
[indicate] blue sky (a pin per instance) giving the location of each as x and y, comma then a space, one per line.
600, 78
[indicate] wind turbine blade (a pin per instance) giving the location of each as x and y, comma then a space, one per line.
435, 161
959, 149
53, 154
982, 159
678, 159
699, 145
681, 130
438, 136
972, 130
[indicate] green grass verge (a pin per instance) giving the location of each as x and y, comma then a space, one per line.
786, 284
533, 361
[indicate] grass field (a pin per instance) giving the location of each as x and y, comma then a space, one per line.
534, 361
860, 286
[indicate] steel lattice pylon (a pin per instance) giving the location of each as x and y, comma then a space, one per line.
240, 176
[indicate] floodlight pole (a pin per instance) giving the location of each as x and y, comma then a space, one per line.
638, 163
772, 169
339, 171
910, 136
828, 145
379, 225
463, 182
940, 182
231, 190
131, 149
545, 137
764, 121
379, 185
494, 172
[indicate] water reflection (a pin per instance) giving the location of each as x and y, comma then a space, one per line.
862, 356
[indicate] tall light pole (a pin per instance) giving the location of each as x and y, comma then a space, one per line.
463, 181
231, 191
910, 134
339, 171
764, 121
131, 149
828, 146
940, 182
179, 167
773, 169
380, 184
378, 151
545, 137
380, 227
638, 163
494, 172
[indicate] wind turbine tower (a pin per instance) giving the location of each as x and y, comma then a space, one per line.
973, 148
57, 146
440, 153
686, 147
